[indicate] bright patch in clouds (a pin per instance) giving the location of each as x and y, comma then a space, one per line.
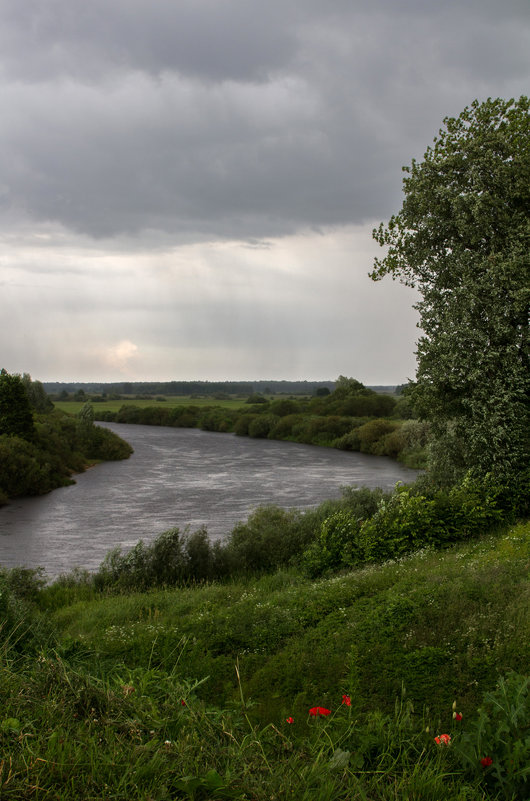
120, 355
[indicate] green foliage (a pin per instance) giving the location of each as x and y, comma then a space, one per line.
190, 693
173, 558
23, 629
284, 407
217, 419
405, 441
271, 538
39, 400
16, 419
256, 398
261, 425
328, 419
60, 446
409, 519
461, 237
336, 545
494, 746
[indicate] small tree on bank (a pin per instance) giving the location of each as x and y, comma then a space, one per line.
462, 238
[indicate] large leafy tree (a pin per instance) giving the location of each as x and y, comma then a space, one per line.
462, 238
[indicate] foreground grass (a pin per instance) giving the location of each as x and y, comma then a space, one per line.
187, 693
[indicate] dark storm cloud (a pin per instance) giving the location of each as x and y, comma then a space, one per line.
232, 118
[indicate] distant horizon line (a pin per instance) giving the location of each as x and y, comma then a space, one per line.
211, 381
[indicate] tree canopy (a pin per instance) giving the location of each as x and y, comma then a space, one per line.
462, 238
16, 418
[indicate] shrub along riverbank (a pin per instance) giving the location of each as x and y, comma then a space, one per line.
223, 690
352, 417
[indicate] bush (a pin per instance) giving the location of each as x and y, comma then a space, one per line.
217, 419
106, 445
172, 559
321, 430
243, 423
22, 628
23, 468
261, 425
271, 537
283, 429
371, 434
403, 522
336, 545
284, 407
184, 416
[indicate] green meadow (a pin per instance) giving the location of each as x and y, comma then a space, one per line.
166, 401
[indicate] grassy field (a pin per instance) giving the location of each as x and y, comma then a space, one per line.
170, 402
223, 690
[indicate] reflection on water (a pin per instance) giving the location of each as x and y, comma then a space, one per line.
177, 477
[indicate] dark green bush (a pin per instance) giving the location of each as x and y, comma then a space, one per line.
321, 430
271, 537
284, 407
106, 445
172, 559
184, 416
371, 434
23, 468
283, 429
404, 522
217, 419
22, 628
336, 544
243, 423
260, 426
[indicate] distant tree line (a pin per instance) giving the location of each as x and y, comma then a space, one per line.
182, 388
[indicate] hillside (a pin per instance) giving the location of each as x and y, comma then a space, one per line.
205, 692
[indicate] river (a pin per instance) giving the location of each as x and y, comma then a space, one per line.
177, 477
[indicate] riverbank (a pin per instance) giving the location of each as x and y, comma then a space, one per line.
58, 447
222, 691
177, 477
352, 418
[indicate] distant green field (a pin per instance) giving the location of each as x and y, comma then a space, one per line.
73, 407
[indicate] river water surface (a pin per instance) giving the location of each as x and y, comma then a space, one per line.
177, 477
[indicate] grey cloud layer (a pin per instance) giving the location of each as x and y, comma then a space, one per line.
235, 119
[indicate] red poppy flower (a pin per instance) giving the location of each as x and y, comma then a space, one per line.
183, 702
457, 716
289, 720
346, 700
486, 762
319, 711
443, 739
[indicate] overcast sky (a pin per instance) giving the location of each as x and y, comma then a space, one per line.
188, 187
